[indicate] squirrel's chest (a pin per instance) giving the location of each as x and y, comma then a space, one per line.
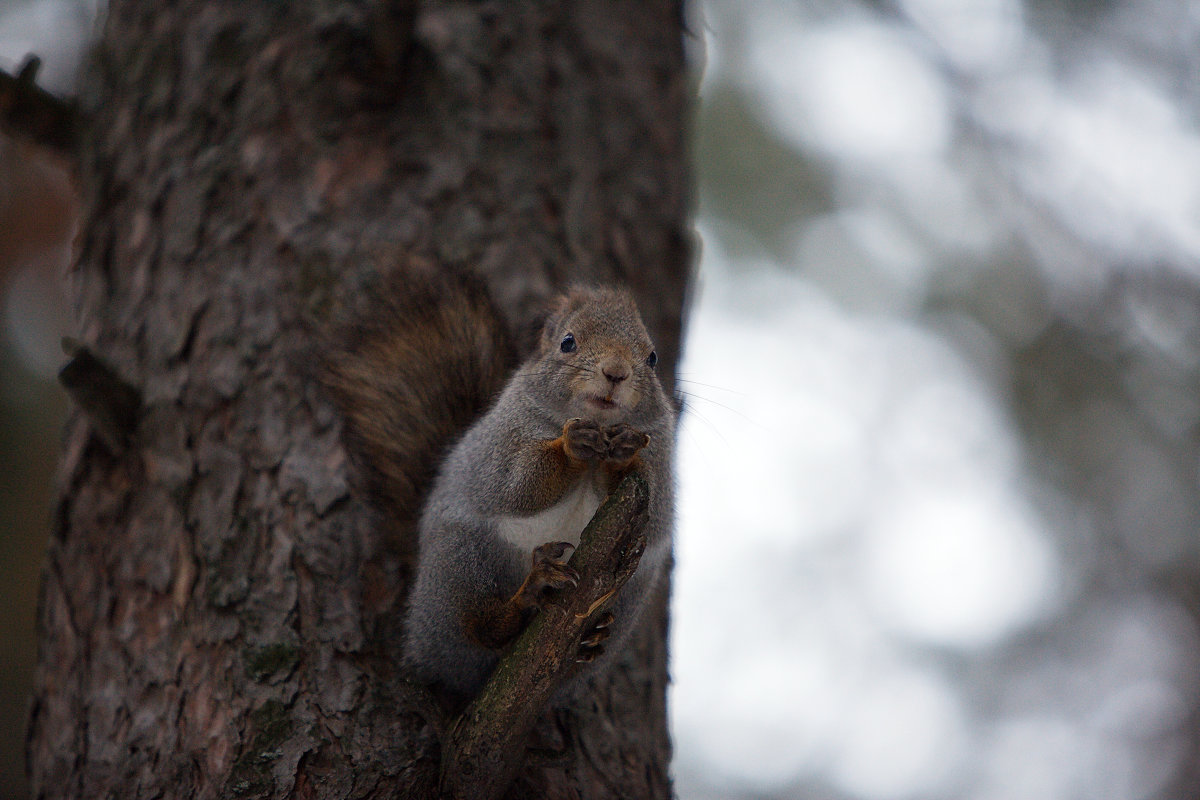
562, 522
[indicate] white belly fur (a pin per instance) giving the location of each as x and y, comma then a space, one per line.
562, 522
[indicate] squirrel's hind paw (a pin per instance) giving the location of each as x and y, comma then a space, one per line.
549, 571
590, 647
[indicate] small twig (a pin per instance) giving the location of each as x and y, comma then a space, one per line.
485, 747
31, 112
109, 401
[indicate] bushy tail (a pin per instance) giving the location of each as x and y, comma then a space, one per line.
410, 375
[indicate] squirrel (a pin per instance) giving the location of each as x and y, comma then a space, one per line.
499, 473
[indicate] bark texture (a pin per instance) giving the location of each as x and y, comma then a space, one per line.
217, 605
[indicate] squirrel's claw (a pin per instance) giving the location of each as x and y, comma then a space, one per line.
590, 647
550, 553
559, 576
549, 571
584, 440
624, 443
587, 655
598, 632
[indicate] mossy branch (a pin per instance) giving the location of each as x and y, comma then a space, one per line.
485, 745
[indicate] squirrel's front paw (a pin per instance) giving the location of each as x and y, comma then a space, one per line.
624, 443
549, 571
584, 440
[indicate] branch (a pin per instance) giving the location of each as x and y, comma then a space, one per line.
485, 746
109, 401
34, 113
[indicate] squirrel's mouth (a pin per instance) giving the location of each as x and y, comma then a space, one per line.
603, 403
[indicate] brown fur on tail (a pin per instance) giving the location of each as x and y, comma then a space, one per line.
410, 376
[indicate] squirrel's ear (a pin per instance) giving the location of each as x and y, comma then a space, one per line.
555, 312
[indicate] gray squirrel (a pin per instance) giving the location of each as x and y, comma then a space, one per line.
498, 474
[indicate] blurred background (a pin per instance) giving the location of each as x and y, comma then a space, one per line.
939, 470
37, 220
938, 535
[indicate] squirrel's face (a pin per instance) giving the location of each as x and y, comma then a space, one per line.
599, 347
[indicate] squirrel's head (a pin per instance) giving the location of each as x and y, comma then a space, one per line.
595, 341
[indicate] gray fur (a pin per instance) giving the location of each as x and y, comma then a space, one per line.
462, 557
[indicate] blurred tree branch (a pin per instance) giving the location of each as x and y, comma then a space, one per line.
30, 112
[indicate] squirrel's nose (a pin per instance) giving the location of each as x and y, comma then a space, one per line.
615, 371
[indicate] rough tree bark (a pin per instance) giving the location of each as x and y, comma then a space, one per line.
216, 615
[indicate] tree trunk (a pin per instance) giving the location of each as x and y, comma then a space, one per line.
217, 604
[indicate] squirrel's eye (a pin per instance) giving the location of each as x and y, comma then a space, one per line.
568, 344
652, 360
